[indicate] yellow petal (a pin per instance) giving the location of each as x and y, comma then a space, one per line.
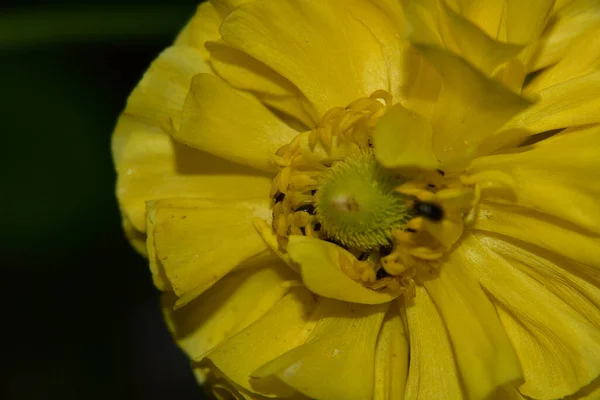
559, 176
566, 104
432, 371
244, 72
267, 338
136, 238
569, 23
151, 166
224, 310
470, 107
507, 393
422, 84
226, 6
203, 27
334, 51
237, 127
402, 139
337, 361
159, 97
193, 239
590, 392
551, 234
391, 358
509, 21
581, 58
440, 26
159, 278
321, 273
484, 354
558, 347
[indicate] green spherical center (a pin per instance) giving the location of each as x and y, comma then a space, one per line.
357, 205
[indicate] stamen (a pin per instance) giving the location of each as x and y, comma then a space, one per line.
393, 228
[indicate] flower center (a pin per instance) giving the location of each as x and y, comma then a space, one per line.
357, 204
394, 224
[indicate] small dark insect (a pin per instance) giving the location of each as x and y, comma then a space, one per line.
309, 208
279, 197
431, 211
381, 273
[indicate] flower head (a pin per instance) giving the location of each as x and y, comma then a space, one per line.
356, 199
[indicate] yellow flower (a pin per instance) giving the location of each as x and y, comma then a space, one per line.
356, 199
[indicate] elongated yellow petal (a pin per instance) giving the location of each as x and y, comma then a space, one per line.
553, 234
470, 107
484, 355
391, 358
219, 120
151, 166
510, 21
244, 72
202, 27
557, 275
422, 86
269, 337
570, 23
193, 238
559, 176
159, 97
337, 362
440, 26
432, 372
402, 139
224, 310
558, 347
566, 104
226, 6
324, 48
322, 274
581, 58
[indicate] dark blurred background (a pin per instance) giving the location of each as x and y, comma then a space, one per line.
81, 318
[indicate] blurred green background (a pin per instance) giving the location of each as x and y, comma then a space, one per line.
81, 317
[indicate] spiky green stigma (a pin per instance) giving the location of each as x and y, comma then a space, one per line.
357, 205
